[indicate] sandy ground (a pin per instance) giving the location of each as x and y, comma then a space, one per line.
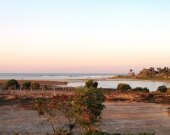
120, 117
125, 117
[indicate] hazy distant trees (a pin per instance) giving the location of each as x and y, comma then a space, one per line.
154, 73
131, 73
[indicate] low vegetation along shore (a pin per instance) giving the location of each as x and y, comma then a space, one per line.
157, 74
78, 110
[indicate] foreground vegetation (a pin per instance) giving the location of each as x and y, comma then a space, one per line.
82, 111
64, 114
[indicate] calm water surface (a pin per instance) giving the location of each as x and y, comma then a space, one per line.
151, 85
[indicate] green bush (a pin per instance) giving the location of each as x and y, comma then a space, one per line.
138, 88
35, 85
83, 110
90, 83
95, 84
145, 89
27, 84
123, 86
12, 84
88, 102
162, 88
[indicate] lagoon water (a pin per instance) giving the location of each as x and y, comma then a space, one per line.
151, 85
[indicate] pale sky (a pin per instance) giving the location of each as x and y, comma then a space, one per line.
83, 36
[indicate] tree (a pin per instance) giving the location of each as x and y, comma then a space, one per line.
12, 84
84, 109
88, 106
90, 83
27, 84
35, 85
131, 73
147, 73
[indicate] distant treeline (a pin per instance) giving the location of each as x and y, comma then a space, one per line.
157, 73
154, 73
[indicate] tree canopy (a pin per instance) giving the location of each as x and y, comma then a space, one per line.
12, 84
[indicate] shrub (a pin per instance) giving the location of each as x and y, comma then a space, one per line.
90, 83
27, 84
88, 106
123, 86
162, 88
12, 84
82, 110
95, 84
35, 85
145, 89
138, 88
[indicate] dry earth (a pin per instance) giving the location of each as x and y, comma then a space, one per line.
120, 117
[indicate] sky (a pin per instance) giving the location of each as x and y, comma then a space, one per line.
83, 36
